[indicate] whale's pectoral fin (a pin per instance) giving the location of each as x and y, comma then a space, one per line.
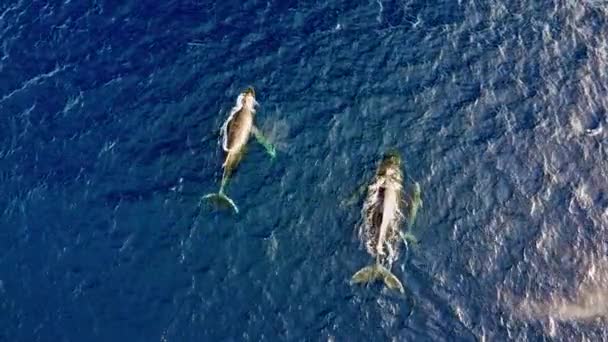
408, 237
270, 149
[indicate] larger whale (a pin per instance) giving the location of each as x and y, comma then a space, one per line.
380, 231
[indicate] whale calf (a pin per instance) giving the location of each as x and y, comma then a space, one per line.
235, 134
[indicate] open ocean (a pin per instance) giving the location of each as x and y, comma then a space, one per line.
109, 121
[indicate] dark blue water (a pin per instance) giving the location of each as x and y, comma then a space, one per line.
110, 113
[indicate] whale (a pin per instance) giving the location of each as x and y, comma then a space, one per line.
382, 219
235, 134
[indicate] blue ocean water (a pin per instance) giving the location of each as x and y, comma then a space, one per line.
110, 113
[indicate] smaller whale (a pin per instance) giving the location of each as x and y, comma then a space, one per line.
235, 135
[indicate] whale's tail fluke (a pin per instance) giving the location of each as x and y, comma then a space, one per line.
371, 273
221, 198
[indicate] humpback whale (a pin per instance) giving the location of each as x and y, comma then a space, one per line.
380, 231
235, 134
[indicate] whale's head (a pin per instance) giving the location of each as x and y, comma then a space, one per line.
249, 98
390, 164
392, 158
249, 91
